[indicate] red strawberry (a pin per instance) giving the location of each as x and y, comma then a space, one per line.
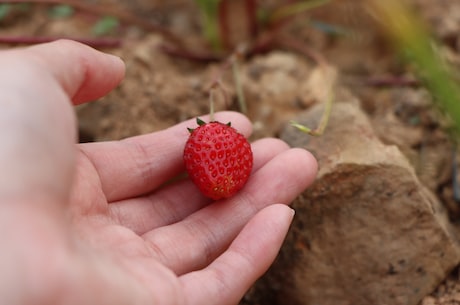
218, 159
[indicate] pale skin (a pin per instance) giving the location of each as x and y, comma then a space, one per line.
95, 223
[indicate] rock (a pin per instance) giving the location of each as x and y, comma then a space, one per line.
275, 78
367, 231
429, 301
282, 83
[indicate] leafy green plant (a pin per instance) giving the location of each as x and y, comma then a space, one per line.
61, 11
209, 16
4, 10
105, 25
412, 38
218, 21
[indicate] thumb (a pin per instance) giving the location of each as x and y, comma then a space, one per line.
37, 121
84, 73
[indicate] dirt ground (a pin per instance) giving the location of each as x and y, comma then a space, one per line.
161, 90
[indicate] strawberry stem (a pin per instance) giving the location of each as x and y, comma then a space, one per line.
211, 105
238, 85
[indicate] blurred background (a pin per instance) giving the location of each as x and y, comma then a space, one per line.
275, 60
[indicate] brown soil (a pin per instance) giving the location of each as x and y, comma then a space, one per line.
161, 90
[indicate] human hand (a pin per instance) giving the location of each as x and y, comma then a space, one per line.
97, 223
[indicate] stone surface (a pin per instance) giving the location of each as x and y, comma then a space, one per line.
367, 231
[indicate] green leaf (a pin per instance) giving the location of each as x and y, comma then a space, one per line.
210, 18
23, 7
208, 6
61, 11
5, 9
105, 25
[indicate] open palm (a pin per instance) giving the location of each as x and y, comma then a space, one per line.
106, 223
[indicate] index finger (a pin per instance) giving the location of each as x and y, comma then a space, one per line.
37, 121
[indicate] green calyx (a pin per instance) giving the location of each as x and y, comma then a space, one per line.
200, 122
